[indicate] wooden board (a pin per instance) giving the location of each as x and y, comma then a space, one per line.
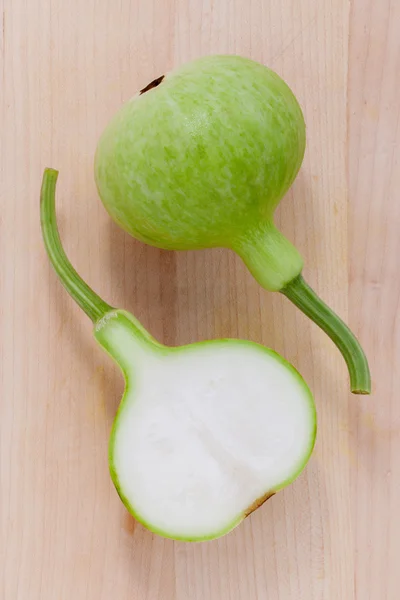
66, 67
374, 246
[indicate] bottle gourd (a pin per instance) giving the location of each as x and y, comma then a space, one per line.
205, 433
200, 158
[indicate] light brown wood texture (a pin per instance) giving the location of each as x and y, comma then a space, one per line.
66, 67
374, 251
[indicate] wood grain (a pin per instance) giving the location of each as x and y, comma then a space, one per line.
66, 67
374, 176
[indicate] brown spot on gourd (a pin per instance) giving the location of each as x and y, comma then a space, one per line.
257, 503
152, 84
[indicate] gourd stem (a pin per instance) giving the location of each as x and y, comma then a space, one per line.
300, 293
87, 299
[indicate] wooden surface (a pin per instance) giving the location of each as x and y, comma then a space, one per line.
66, 67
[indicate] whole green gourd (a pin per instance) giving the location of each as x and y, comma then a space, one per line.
200, 158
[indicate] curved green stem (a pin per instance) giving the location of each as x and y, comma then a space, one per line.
87, 299
307, 300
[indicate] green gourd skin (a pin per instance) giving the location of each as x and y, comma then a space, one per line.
201, 160
136, 352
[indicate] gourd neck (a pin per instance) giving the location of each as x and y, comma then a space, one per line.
88, 300
304, 297
119, 332
277, 266
125, 339
269, 256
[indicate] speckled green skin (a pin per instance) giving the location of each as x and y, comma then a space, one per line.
203, 159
